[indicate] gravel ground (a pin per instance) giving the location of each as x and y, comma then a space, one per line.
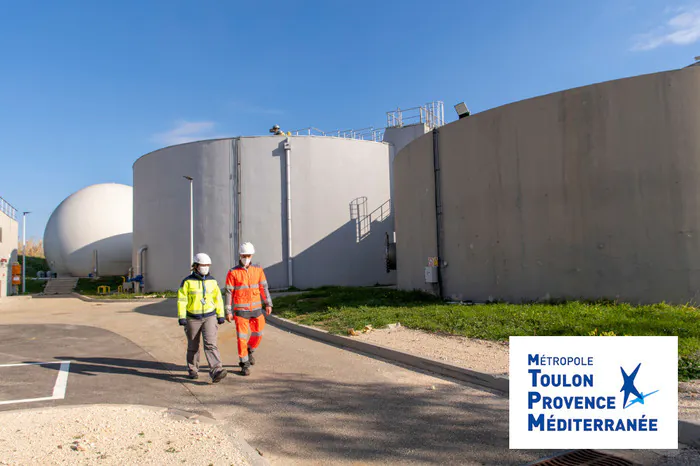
488, 357
479, 355
111, 435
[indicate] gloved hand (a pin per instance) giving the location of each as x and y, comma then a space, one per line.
220, 320
182, 322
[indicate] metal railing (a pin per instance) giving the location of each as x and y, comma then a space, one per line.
364, 223
431, 114
7, 209
365, 134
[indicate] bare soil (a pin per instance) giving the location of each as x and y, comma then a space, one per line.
489, 357
111, 435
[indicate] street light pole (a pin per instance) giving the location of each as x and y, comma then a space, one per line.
24, 247
191, 219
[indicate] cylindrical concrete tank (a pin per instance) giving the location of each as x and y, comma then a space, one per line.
339, 209
588, 193
95, 222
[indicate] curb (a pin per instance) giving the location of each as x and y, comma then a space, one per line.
495, 383
689, 433
107, 300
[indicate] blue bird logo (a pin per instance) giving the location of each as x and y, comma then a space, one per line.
629, 388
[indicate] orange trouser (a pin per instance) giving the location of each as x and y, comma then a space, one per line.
249, 334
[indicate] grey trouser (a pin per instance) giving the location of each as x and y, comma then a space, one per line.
194, 330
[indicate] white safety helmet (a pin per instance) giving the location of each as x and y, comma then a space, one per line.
246, 249
202, 259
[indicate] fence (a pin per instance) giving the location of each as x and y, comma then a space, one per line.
365, 134
7, 209
431, 114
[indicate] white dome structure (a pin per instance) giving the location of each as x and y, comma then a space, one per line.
91, 229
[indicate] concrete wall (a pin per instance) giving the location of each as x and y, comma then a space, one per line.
162, 210
587, 193
8, 250
398, 138
327, 174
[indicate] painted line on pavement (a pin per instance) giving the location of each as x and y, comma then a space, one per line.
59, 388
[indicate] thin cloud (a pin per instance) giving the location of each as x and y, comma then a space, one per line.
681, 29
187, 131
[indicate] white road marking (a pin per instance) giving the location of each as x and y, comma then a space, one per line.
59, 388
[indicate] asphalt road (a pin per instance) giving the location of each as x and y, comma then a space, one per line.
101, 367
305, 403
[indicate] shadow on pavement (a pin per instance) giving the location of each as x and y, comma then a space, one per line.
167, 308
380, 421
134, 367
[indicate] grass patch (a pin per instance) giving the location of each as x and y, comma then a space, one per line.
337, 309
33, 286
34, 265
88, 286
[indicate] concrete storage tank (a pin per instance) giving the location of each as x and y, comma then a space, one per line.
93, 224
588, 193
340, 210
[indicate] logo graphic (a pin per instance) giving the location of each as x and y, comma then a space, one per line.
629, 388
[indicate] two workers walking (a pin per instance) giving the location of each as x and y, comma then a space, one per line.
202, 309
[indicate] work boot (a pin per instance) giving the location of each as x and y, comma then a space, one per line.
218, 375
251, 359
245, 368
193, 376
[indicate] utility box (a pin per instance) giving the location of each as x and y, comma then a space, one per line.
431, 274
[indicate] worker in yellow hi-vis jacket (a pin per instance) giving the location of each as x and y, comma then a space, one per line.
200, 309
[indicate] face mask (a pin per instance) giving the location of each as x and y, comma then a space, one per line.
204, 270
245, 261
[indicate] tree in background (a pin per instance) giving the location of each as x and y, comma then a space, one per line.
35, 248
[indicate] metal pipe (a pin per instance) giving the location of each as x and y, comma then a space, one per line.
438, 208
24, 247
190, 179
191, 223
139, 260
287, 166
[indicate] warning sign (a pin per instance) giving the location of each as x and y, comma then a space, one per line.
432, 261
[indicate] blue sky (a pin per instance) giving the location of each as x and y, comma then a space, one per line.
88, 87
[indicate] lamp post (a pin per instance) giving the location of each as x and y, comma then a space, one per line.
189, 178
24, 247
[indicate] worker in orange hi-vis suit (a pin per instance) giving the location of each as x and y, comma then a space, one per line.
246, 292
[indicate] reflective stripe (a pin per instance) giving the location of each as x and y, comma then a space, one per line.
248, 314
248, 305
191, 291
264, 282
229, 287
242, 287
256, 334
244, 359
